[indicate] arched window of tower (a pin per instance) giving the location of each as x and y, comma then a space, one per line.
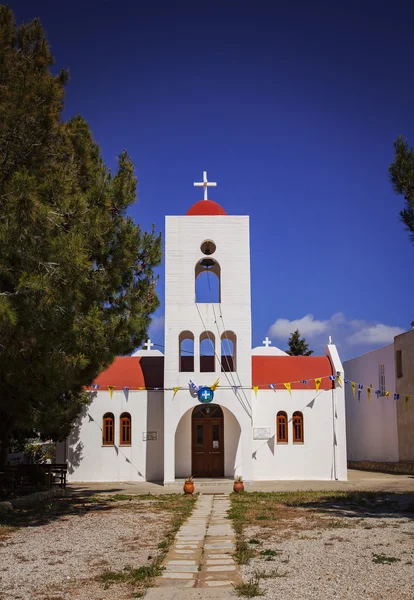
186, 349
207, 281
207, 352
228, 351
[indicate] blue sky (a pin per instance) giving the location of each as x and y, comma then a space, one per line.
292, 108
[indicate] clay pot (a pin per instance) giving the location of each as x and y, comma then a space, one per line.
188, 488
238, 486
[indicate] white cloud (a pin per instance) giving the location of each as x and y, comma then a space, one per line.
375, 334
307, 325
345, 333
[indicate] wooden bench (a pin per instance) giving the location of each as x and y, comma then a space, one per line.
57, 474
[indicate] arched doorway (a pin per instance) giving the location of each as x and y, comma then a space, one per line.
207, 441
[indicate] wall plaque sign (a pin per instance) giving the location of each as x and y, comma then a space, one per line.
149, 436
261, 433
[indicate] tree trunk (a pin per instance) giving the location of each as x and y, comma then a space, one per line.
6, 426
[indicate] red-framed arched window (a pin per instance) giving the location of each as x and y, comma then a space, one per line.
297, 426
108, 429
125, 429
281, 427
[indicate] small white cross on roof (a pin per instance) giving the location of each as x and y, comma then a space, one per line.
148, 345
205, 184
267, 342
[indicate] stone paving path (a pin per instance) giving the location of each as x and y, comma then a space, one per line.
202, 553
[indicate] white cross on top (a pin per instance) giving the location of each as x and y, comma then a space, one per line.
148, 345
205, 184
205, 395
267, 342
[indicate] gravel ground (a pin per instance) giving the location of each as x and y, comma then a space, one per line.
62, 558
337, 562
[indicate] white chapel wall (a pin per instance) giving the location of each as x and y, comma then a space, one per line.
89, 460
371, 426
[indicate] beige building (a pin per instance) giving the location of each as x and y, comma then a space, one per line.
404, 378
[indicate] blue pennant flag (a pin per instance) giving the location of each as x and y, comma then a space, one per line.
95, 386
305, 381
272, 386
396, 396
378, 393
236, 388
346, 380
126, 392
194, 387
332, 377
360, 388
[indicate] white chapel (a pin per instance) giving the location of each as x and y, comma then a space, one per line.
211, 406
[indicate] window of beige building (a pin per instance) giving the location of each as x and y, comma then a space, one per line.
398, 363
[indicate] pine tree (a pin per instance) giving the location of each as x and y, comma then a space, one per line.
298, 345
402, 178
77, 283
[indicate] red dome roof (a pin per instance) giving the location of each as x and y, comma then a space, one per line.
205, 208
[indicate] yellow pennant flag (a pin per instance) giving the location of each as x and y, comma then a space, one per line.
175, 391
288, 387
255, 388
369, 389
111, 389
407, 399
339, 380
215, 385
141, 388
318, 382
387, 394
353, 386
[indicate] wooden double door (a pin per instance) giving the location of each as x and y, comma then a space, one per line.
208, 441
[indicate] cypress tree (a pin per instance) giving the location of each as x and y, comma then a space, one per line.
402, 178
298, 345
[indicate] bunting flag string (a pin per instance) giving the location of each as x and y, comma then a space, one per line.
335, 379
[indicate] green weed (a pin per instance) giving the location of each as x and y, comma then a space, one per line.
383, 559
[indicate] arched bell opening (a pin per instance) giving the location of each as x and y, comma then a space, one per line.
228, 351
207, 352
207, 281
186, 351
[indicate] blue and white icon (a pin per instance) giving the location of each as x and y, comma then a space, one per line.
205, 394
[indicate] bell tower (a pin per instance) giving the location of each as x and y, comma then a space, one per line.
207, 320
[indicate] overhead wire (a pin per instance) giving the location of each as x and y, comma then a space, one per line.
239, 385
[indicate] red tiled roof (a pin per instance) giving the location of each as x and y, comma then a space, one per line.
206, 208
280, 369
133, 372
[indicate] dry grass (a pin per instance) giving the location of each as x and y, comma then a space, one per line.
122, 578
296, 514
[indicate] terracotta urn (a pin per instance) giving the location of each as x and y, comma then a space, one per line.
189, 487
238, 486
